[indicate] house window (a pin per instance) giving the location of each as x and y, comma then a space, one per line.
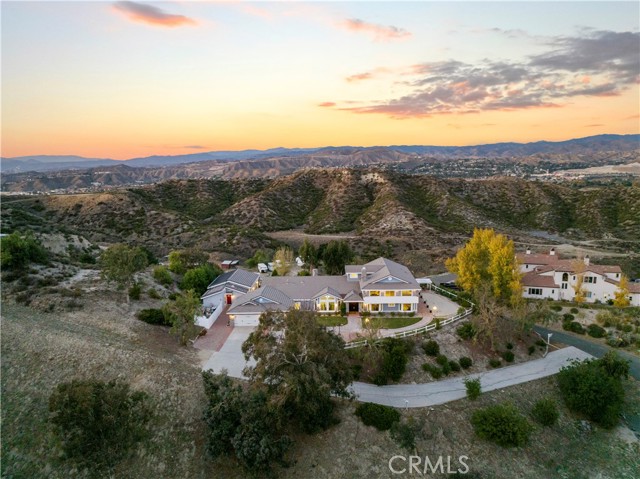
327, 303
374, 307
406, 307
407, 292
574, 278
389, 293
589, 294
374, 293
353, 275
296, 305
617, 275
590, 279
392, 305
535, 291
564, 285
526, 266
565, 277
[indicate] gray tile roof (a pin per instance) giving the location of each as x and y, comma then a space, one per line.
300, 288
251, 302
384, 268
353, 297
327, 290
238, 276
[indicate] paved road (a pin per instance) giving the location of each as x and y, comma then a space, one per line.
440, 392
595, 349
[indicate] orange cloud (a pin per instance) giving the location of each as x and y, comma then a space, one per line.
139, 12
379, 32
327, 104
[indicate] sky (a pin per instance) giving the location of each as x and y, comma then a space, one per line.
129, 79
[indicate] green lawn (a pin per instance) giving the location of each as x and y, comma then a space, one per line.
393, 323
331, 320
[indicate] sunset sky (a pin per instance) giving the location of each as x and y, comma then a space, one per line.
130, 79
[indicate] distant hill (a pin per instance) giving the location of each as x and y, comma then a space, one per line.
599, 143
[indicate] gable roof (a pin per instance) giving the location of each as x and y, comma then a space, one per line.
251, 304
538, 280
238, 276
384, 268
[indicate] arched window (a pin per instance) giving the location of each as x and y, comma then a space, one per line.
565, 277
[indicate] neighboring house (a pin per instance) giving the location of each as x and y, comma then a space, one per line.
229, 286
549, 276
380, 286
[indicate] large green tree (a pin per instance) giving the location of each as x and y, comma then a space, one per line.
182, 260
335, 255
308, 253
488, 258
182, 313
300, 364
18, 251
199, 278
120, 262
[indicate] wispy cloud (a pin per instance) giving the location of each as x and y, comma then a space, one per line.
597, 64
327, 104
379, 32
142, 13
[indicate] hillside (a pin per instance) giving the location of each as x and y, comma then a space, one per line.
414, 215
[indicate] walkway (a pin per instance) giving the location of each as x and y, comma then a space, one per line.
591, 347
440, 392
216, 335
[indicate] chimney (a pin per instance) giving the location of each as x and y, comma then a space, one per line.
314, 272
528, 250
586, 260
552, 252
363, 273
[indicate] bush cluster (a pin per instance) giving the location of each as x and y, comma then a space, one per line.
502, 424
594, 388
466, 331
135, 291
394, 360
162, 275
508, 356
465, 362
378, 416
153, 316
431, 348
435, 371
474, 388
495, 363
596, 331
574, 327
545, 411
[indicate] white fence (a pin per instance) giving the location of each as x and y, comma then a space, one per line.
207, 321
421, 329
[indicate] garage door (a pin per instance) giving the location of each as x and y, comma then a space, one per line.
246, 319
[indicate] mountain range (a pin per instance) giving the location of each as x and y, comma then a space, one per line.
598, 143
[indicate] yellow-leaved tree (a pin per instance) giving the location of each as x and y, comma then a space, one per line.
488, 258
621, 296
579, 268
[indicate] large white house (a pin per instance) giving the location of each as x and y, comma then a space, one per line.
381, 286
549, 276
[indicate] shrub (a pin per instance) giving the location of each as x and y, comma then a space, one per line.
531, 350
446, 368
162, 275
576, 327
199, 278
627, 328
502, 424
596, 331
541, 343
474, 388
545, 411
574, 310
555, 307
172, 296
568, 317
441, 359
466, 331
435, 371
153, 294
495, 363
508, 356
135, 291
404, 433
98, 423
17, 252
153, 316
431, 348
455, 367
509, 346
378, 416
594, 388
465, 362
438, 326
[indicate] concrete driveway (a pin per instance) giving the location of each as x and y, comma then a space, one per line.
230, 356
440, 392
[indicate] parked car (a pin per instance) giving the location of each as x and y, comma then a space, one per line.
263, 268
451, 285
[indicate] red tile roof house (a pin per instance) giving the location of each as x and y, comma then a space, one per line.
549, 276
381, 286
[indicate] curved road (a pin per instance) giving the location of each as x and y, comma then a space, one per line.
595, 349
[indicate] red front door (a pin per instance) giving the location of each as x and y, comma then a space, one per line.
228, 299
